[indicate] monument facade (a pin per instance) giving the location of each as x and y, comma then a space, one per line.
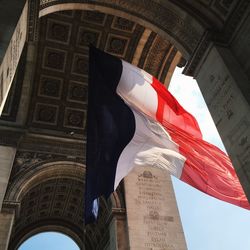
43, 102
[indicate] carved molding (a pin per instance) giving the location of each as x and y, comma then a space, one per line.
68, 147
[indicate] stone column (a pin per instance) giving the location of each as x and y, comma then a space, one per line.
152, 213
119, 227
6, 222
27, 84
224, 86
118, 231
12, 56
7, 155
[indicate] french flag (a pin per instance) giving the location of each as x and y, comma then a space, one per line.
134, 121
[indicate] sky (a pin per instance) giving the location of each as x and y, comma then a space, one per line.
208, 224
49, 241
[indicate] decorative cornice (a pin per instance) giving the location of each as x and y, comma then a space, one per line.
20, 138
52, 145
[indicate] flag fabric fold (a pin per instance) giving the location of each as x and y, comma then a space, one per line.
133, 120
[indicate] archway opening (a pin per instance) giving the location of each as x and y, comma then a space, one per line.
49, 241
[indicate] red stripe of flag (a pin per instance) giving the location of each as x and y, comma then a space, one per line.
206, 168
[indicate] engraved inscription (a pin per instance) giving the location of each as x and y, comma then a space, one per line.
221, 98
155, 221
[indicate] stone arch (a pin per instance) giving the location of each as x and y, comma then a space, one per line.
51, 170
170, 20
29, 190
42, 172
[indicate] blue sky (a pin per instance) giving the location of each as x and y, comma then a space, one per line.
49, 241
208, 224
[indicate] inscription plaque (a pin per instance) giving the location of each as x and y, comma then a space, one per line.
153, 218
221, 92
228, 106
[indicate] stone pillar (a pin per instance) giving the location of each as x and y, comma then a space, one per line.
152, 213
6, 223
225, 86
27, 84
7, 155
118, 231
12, 55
